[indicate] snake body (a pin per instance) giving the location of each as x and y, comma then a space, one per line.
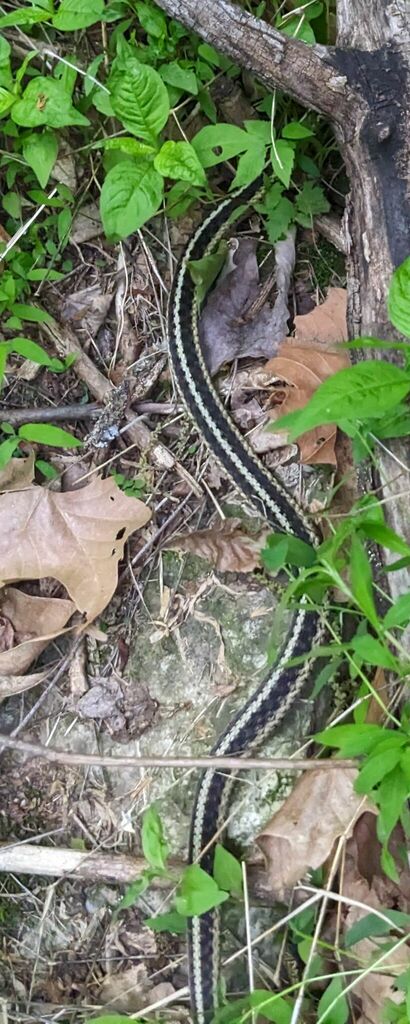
278, 691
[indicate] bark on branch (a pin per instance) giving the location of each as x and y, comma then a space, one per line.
305, 72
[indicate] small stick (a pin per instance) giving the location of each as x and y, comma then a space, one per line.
218, 763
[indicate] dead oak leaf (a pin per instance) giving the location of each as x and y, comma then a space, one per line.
77, 537
300, 837
225, 546
326, 324
303, 369
17, 474
32, 622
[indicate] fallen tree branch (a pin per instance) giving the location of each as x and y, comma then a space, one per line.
279, 61
234, 763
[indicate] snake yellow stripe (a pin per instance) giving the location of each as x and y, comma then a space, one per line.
276, 694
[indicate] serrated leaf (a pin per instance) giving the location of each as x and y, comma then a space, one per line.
312, 200
279, 219
218, 142
138, 97
365, 390
398, 303
154, 846
45, 102
250, 166
179, 160
198, 893
40, 151
45, 433
75, 14
296, 130
283, 158
171, 922
371, 926
227, 870
130, 195
181, 78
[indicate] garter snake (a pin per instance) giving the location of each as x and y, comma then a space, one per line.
276, 694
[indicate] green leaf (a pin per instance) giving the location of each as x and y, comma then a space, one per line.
30, 350
7, 99
198, 892
339, 1013
45, 102
261, 129
7, 449
205, 271
75, 14
44, 274
391, 797
361, 391
45, 433
131, 194
31, 313
6, 77
296, 130
152, 19
398, 302
372, 651
138, 97
283, 158
271, 1005
46, 469
218, 142
4, 352
171, 922
352, 740
399, 613
376, 768
250, 166
279, 220
384, 536
370, 926
298, 29
361, 579
179, 160
40, 151
127, 144
64, 221
179, 77
26, 16
312, 200
154, 846
109, 1018
133, 892
296, 552
227, 870
12, 205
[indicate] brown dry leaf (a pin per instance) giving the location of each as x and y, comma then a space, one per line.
77, 537
298, 838
17, 474
225, 546
11, 685
32, 622
304, 368
326, 324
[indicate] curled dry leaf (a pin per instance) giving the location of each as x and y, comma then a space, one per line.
17, 474
77, 538
11, 685
32, 622
225, 546
300, 837
226, 334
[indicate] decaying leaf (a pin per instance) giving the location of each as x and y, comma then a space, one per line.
17, 474
11, 685
28, 624
88, 307
303, 369
225, 546
225, 334
77, 537
326, 324
298, 838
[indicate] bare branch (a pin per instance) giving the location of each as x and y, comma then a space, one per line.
305, 72
222, 763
